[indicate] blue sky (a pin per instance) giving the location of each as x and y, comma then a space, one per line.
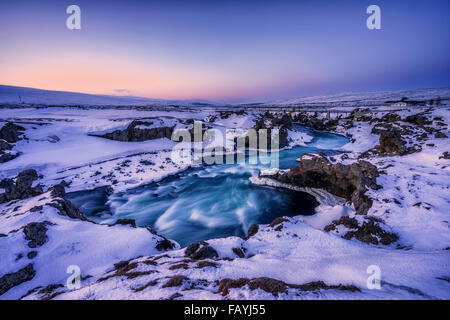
232, 51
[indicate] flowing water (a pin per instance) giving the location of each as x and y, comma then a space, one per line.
208, 202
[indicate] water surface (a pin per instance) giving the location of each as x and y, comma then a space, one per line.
208, 202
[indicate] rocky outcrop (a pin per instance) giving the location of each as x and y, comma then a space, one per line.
275, 287
139, 131
391, 143
391, 118
445, 155
36, 233
440, 135
22, 188
346, 181
67, 208
282, 135
11, 132
418, 119
7, 156
369, 231
199, 251
5, 146
11, 280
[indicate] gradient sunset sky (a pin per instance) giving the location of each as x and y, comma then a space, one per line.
229, 51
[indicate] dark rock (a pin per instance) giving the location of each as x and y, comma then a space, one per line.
346, 181
165, 245
58, 190
226, 284
320, 285
201, 251
238, 252
275, 287
331, 124
191, 248
205, 264
175, 281
11, 280
36, 208
277, 221
445, 155
270, 285
282, 136
67, 208
125, 222
418, 119
440, 135
53, 139
36, 233
252, 230
5, 157
11, 132
26, 178
179, 266
205, 252
22, 188
32, 254
285, 121
370, 231
391, 143
391, 117
350, 223
136, 132
4, 146
310, 121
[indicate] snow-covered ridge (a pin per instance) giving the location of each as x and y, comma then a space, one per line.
30, 96
366, 98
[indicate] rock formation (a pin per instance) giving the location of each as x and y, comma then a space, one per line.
346, 181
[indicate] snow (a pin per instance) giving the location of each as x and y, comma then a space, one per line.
70, 242
365, 98
21, 95
413, 203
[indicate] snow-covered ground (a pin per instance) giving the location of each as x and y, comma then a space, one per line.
366, 98
284, 260
22, 95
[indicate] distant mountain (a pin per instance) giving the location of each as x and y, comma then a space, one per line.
27, 96
366, 98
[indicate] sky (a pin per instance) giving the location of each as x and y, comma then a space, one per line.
222, 50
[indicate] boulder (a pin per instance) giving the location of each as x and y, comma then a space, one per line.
199, 251
11, 132
5, 145
11, 280
67, 208
22, 188
369, 231
391, 143
36, 233
391, 117
139, 131
417, 119
346, 181
440, 135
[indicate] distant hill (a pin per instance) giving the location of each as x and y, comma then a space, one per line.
27, 96
367, 98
